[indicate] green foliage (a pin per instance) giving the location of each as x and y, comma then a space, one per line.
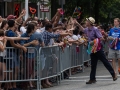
33, 1
102, 10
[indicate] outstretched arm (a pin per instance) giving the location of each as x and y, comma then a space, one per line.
81, 28
17, 38
2, 47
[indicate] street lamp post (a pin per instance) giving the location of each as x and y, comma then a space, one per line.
62, 2
26, 8
38, 9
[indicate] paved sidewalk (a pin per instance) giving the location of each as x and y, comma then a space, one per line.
77, 82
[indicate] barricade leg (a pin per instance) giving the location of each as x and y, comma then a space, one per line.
70, 71
83, 57
38, 70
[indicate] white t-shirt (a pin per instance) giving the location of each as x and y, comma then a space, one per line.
23, 30
38, 30
74, 37
42, 29
3, 54
79, 36
51, 42
68, 37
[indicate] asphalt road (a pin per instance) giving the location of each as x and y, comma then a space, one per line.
77, 82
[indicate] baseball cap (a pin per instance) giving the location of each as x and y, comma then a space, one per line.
11, 17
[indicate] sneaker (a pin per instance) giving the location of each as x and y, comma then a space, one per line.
45, 86
91, 81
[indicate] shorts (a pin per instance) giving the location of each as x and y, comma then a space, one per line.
6, 61
12, 60
2, 60
114, 54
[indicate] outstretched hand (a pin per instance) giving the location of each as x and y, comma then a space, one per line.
23, 12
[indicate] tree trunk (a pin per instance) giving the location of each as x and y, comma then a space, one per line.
54, 7
96, 10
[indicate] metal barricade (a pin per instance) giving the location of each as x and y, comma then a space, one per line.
86, 55
37, 65
49, 62
76, 55
106, 46
17, 66
65, 59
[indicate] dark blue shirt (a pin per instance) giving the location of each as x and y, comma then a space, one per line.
10, 33
35, 36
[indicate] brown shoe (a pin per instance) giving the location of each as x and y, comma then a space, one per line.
114, 78
91, 81
45, 86
49, 84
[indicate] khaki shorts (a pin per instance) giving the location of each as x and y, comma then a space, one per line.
114, 54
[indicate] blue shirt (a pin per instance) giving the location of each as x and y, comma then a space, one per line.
47, 36
34, 36
10, 33
38, 36
115, 33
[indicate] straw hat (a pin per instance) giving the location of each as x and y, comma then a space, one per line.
91, 20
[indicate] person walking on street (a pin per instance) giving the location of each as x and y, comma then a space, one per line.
114, 50
93, 34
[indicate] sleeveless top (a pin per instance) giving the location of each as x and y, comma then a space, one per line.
2, 54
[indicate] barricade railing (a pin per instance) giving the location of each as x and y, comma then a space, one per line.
86, 55
49, 58
77, 53
65, 59
49, 62
37, 65
106, 48
17, 66
54, 60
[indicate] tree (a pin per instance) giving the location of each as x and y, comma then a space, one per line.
99, 9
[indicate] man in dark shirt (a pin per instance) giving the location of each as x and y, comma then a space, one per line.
12, 53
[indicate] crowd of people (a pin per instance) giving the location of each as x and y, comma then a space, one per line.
33, 32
